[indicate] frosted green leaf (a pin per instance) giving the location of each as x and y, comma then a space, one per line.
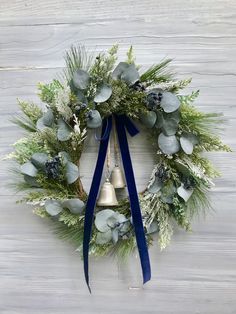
149, 119
72, 172
31, 181
168, 192
115, 236
156, 186
103, 93
81, 97
29, 169
152, 228
39, 160
169, 102
46, 120
64, 130
101, 219
184, 193
168, 144
186, 144
130, 75
53, 207
104, 237
75, 205
95, 120
120, 68
65, 157
169, 127
81, 79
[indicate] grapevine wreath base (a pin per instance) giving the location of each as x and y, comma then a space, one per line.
94, 90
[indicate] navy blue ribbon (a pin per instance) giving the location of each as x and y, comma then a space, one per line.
122, 123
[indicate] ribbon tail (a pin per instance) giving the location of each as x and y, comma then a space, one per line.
92, 197
121, 123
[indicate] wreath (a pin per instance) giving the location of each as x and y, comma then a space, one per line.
93, 93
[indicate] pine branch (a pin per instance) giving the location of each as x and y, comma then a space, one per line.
158, 73
24, 123
77, 58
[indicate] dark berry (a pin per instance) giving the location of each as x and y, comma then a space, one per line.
138, 86
162, 173
89, 115
52, 168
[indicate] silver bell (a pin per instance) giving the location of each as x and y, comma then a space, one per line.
117, 178
107, 196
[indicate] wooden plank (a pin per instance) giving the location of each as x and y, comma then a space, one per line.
196, 273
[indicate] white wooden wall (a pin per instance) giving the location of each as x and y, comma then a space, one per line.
196, 274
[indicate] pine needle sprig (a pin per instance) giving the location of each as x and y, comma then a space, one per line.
77, 58
158, 73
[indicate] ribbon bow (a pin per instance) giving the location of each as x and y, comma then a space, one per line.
122, 124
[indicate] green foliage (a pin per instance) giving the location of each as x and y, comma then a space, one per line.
103, 65
25, 147
31, 113
47, 92
62, 99
176, 86
179, 212
130, 55
124, 101
204, 125
77, 58
158, 73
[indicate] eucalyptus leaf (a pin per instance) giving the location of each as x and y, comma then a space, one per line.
39, 160
53, 207
169, 127
193, 138
156, 186
112, 221
104, 237
186, 145
152, 228
63, 131
130, 75
172, 115
185, 194
182, 168
120, 68
48, 118
81, 97
75, 205
40, 125
160, 120
168, 144
65, 157
124, 227
29, 169
103, 93
149, 119
101, 219
72, 172
31, 181
169, 102
115, 236
95, 120
120, 217
168, 192
81, 79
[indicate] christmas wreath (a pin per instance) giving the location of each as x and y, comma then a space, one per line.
94, 93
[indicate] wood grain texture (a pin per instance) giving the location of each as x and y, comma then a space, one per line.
196, 273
